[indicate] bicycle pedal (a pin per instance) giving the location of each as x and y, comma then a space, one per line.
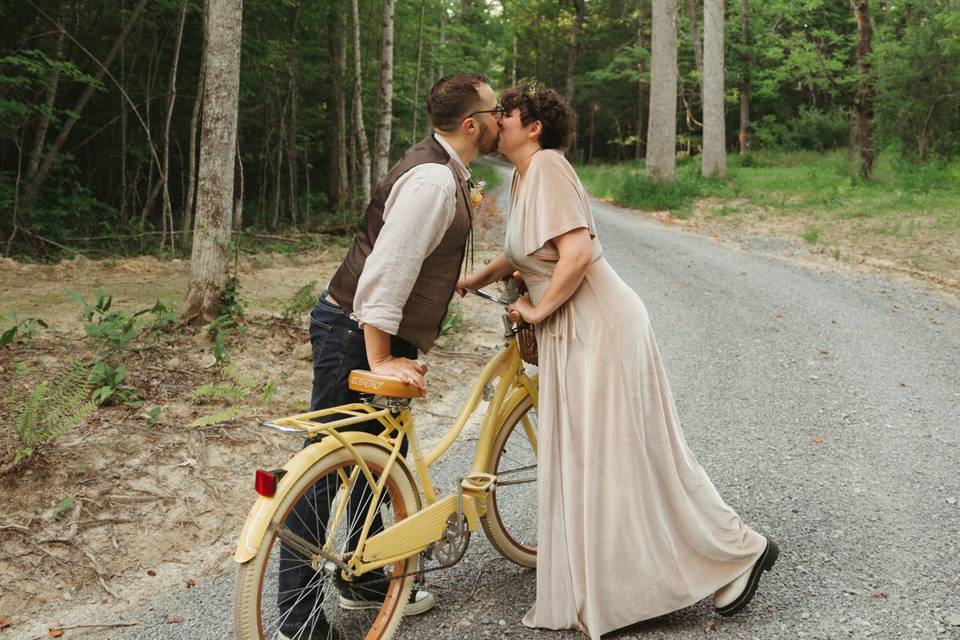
478, 483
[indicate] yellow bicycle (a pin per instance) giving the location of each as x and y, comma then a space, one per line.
350, 515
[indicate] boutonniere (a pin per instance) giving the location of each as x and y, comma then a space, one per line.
476, 192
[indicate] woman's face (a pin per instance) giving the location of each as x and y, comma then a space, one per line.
513, 133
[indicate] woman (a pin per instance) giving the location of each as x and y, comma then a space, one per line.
629, 525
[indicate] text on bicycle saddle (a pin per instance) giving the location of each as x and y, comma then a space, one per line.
368, 382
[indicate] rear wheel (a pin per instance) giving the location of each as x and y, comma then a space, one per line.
288, 588
511, 519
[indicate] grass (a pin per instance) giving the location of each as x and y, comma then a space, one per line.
790, 182
817, 195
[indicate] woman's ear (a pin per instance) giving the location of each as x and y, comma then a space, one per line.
536, 128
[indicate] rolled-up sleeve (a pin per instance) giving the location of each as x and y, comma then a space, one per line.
417, 214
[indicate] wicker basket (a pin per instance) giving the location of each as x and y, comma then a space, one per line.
527, 342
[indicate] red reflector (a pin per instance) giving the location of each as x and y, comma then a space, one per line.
266, 483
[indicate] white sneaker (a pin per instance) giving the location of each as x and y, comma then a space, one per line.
421, 601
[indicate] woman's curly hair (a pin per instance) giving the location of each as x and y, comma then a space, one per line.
537, 103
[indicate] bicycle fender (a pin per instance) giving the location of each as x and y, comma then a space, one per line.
263, 510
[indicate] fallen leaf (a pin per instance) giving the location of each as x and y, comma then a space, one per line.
778, 314
879, 595
712, 626
55, 633
151, 572
816, 440
5, 623
174, 620
191, 583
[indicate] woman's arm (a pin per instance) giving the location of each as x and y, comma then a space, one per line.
498, 269
576, 253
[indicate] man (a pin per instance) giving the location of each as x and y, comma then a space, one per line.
389, 296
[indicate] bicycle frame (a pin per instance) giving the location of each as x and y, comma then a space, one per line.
422, 528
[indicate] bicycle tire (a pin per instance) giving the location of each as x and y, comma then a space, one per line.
510, 521
256, 576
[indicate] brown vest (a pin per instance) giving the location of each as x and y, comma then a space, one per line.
423, 313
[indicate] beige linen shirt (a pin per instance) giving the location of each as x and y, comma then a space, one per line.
418, 211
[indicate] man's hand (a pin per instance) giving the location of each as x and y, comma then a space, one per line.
403, 368
464, 283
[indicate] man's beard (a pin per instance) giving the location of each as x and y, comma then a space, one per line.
488, 141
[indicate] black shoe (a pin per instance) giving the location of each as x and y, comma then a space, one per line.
764, 563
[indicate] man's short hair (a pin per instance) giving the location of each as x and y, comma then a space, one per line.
452, 98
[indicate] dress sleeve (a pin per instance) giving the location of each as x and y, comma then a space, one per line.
556, 202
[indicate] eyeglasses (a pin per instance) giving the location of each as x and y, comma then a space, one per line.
497, 112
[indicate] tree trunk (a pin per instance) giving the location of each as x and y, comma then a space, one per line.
209, 261
385, 121
745, 79
338, 71
189, 201
33, 186
713, 162
171, 98
416, 81
662, 123
53, 81
641, 88
363, 148
290, 134
695, 38
864, 98
579, 7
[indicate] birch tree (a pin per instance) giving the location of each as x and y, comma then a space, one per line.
363, 148
218, 140
662, 123
713, 162
385, 123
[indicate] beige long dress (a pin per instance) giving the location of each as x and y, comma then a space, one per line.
629, 525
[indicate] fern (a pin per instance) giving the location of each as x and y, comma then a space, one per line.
219, 392
238, 376
301, 302
50, 409
225, 415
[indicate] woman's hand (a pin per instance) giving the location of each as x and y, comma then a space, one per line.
524, 309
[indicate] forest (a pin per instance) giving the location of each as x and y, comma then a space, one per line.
101, 102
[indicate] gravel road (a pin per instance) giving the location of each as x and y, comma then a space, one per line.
825, 407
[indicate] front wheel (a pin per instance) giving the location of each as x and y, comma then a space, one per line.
286, 591
511, 519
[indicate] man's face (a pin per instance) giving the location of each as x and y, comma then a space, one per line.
488, 135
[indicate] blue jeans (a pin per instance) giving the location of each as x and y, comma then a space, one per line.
338, 348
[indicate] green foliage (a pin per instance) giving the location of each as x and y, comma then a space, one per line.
232, 393
224, 415
49, 409
23, 329
628, 184
301, 302
453, 320
62, 507
810, 234
232, 312
108, 388
219, 392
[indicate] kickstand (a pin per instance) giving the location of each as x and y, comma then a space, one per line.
421, 578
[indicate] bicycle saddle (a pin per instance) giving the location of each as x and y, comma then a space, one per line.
368, 382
